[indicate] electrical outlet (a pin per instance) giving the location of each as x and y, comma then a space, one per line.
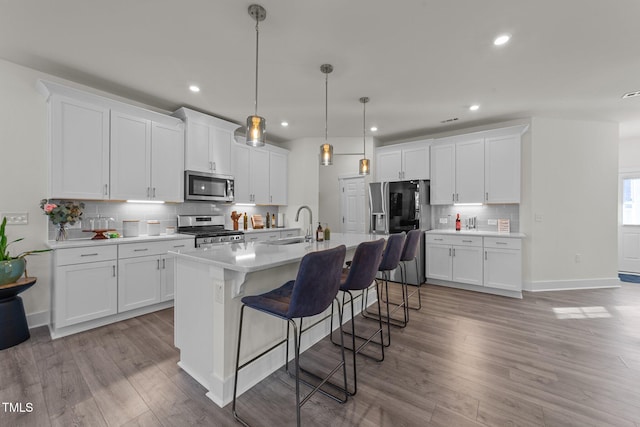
492, 222
16, 218
578, 258
443, 221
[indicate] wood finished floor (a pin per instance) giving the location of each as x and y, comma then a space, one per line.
568, 358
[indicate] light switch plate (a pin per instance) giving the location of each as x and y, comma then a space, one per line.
492, 222
443, 220
16, 218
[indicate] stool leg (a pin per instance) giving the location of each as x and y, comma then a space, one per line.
296, 345
235, 383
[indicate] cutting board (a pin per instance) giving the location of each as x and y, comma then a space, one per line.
256, 221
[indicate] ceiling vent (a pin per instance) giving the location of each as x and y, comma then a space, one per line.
449, 120
631, 94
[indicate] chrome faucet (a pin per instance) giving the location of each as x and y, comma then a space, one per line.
309, 236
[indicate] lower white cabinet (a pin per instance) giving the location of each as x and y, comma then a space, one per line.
485, 262
454, 258
95, 282
269, 234
503, 263
86, 285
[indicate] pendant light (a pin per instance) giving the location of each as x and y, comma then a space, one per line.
326, 149
256, 134
365, 164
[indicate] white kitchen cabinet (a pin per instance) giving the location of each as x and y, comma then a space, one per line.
457, 171
454, 258
278, 177
79, 141
503, 263
502, 169
138, 282
208, 142
85, 285
168, 279
402, 162
146, 158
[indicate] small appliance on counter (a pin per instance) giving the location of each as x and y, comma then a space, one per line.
153, 227
130, 228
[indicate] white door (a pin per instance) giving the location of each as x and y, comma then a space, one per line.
198, 157
629, 224
352, 205
139, 282
415, 162
278, 178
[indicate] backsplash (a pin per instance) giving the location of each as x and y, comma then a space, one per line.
166, 213
483, 213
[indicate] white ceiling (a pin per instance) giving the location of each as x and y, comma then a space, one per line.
420, 61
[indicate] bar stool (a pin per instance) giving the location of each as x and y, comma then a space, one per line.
358, 277
390, 261
410, 253
312, 292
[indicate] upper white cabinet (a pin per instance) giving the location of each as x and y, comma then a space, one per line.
502, 169
79, 149
402, 162
104, 149
483, 167
208, 142
260, 174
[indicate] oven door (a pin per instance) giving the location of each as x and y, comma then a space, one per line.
208, 187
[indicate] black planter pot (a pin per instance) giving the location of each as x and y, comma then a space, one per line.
13, 322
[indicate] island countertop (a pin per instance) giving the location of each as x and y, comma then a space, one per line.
250, 257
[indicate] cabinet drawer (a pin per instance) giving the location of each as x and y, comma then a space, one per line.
131, 250
290, 233
83, 255
458, 240
502, 242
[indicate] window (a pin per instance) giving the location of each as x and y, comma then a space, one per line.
631, 201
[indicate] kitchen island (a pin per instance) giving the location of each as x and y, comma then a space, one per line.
209, 286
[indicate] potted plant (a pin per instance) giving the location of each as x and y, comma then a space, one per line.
12, 267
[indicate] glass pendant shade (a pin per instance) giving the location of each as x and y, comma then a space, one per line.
326, 154
364, 167
256, 131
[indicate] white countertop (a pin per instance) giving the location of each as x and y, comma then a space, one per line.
481, 233
269, 230
255, 256
80, 243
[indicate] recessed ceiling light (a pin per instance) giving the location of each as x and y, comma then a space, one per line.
501, 39
284, 124
474, 107
374, 129
631, 94
194, 88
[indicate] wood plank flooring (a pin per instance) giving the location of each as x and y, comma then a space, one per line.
568, 358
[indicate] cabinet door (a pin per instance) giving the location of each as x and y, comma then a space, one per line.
259, 172
415, 162
241, 173
79, 150
220, 150
438, 262
84, 292
278, 178
389, 165
443, 174
197, 156
138, 282
470, 171
130, 157
503, 269
167, 173
502, 169
168, 278
467, 265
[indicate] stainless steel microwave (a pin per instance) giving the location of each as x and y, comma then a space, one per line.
208, 187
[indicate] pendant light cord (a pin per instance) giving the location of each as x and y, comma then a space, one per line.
257, 41
326, 105
364, 130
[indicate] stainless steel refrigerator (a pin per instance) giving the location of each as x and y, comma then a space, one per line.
401, 206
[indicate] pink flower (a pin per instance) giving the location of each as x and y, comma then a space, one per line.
49, 207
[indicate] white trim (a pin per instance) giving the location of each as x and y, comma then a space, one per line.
38, 319
573, 284
475, 288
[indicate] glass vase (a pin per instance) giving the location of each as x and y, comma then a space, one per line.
61, 233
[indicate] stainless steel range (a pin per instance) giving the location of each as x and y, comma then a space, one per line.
208, 230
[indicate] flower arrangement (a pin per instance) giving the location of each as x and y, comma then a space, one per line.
61, 214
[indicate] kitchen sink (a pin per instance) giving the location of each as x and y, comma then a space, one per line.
285, 241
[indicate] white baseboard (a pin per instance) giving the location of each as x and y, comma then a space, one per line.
40, 318
567, 285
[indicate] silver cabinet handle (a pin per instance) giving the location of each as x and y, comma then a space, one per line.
106, 189
114, 270
96, 254
485, 255
449, 251
158, 263
140, 250
486, 196
214, 166
454, 251
501, 243
164, 263
453, 197
178, 246
467, 241
154, 192
148, 192
439, 240
210, 165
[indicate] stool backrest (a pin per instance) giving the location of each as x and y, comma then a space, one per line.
364, 265
392, 252
317, 282
411, 244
